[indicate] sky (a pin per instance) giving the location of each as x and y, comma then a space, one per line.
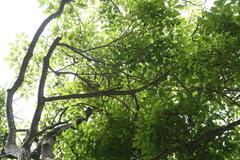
21, 16
209, 3
17, 16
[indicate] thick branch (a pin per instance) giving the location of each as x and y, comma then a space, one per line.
11, 124
41, 102
204, 138
90, 95
160, 79
50, 137
43, 131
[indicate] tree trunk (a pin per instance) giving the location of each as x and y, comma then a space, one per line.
47, 148
23, 154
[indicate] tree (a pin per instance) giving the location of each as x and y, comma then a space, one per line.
129, 79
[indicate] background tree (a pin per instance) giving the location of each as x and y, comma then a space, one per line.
129, 80
3, 129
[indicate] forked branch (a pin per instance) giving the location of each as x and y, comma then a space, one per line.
10, 93
40, 101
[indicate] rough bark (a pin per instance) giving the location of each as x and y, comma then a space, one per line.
24, 154
47, 148
11, 149
41, 101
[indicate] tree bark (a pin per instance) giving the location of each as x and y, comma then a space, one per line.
24, 154
11, 149
47, 148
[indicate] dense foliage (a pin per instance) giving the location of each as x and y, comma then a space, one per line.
139, 79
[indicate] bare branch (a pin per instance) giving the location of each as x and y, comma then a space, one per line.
157, 81
43, 131
11, 124
22, 130
41, 101
49, 138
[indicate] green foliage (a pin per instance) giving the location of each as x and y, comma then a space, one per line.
127, 44
102, 137
3, 129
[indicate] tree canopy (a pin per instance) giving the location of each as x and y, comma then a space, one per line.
128, 80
